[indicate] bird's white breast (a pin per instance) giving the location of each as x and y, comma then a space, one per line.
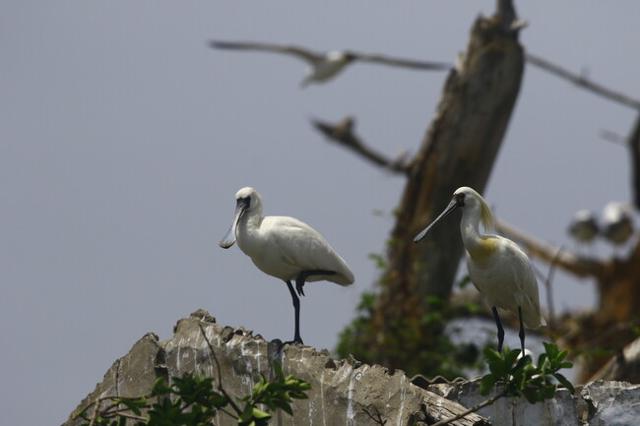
506, 280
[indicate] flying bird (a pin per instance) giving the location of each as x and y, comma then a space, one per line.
498, 268
617, 223
324, 66
285, 248
583, 227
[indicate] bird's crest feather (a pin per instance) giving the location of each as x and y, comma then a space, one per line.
488, 221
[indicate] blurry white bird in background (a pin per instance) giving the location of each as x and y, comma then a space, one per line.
498, 268
285, 248
583, 227
617, 223
325, 66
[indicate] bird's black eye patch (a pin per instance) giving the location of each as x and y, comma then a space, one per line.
459, 199
246, 201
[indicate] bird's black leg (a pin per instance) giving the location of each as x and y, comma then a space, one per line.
500, 329
521, 333
296, 307
300, 283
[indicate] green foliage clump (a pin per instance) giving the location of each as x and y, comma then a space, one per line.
193, 401
417, 345
518, 376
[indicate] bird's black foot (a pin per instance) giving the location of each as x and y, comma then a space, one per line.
300, 287
295, 341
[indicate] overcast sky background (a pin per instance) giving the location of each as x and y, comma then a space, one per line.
123, 140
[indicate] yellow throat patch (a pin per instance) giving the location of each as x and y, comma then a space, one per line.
481, 252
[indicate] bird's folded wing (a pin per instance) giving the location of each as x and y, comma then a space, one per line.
299, 244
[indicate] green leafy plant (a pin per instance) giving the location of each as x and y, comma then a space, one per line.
520, 377
274, 395
432, 351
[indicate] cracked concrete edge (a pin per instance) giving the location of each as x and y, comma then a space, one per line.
341, 390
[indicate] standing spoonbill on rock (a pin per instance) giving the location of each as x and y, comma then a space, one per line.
285, 248
498, 268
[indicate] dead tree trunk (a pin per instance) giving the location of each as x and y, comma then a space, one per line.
459, 149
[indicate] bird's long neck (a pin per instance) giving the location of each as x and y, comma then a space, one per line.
248, 230
470, 226
478, 245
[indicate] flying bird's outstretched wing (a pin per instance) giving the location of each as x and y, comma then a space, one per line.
399, 62
301, 53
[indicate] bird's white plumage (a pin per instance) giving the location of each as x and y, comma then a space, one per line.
327, 68
507, 281
498, 268
283, 246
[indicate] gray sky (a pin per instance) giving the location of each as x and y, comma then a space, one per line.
124, 139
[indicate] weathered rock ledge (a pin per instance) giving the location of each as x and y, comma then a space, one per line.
342, 391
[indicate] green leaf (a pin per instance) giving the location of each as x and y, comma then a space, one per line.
548, 391
259, 414
134, 404
542, 358
495, 361
551, 349
510, 357
486, 384
284, 406
160, 387
531, 395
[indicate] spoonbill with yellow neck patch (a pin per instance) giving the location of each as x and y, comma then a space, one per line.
498, 268
285, 248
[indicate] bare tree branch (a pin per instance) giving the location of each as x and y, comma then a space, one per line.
473, 409
577, 265
613, 137
215, 359
582, 81
374, 414
343, 134
548, 285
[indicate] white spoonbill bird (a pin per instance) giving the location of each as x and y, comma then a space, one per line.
324, 66
498, 268
617, 223
285, 248
583, 227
